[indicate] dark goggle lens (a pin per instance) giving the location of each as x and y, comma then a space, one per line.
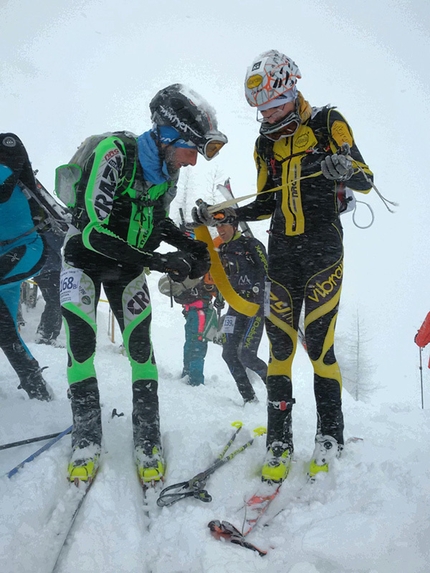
286, 131
283, 128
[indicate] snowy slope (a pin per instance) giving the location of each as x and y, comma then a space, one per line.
369, 515
71, 69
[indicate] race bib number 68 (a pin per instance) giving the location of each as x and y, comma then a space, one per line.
69, 285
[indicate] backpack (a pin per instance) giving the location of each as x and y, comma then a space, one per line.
210, 331
73, 176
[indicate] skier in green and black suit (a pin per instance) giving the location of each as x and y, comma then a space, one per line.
119, 219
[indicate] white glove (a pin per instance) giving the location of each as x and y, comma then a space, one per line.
337, 167
201, 215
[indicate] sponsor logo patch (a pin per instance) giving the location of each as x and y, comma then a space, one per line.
254, 81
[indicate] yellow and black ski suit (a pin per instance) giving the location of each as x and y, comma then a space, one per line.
305, 258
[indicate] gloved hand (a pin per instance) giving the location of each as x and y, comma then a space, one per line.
177, 265
201, 215
200, 264
196, 248
337, 167
219, 303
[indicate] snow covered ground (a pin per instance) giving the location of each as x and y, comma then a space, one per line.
72, 69
369, 515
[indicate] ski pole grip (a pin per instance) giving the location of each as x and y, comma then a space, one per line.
260, 431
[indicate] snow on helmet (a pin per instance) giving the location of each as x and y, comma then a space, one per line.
191, 116
270, 75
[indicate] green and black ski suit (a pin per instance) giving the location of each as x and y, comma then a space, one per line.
119, 220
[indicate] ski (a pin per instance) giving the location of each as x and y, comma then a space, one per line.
227, 193
257, 505
255, 508
59, 216
150, 491
71, 504
220, 278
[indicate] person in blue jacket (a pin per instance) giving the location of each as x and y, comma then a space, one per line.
21, 257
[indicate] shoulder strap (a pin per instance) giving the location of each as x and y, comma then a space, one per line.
320, 124
130, 145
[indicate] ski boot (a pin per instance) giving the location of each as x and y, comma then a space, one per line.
326, 450
146, 432
36, 387
150, 464
277, 463
84, 464
87, 431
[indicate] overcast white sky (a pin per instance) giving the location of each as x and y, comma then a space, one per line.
71, 68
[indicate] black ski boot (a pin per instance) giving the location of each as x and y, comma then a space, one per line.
35, 385
146, 432
87, 430
87, 424
279, 442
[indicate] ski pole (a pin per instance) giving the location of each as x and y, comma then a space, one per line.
195, 486
421, 376
30, 441
14, 470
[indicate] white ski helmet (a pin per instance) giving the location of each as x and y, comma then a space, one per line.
270, 75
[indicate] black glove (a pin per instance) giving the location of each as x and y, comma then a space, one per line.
198, 249
199, 257
337, 167
176, 265
219, 303
200, 263
201, 215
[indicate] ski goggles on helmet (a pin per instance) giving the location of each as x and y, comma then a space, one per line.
285, 127
211, 145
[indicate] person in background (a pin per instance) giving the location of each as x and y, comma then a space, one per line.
195, 297
304, 157
119, 220
22, 255
245, 262
49, 283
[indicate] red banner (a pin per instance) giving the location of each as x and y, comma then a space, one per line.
422, 338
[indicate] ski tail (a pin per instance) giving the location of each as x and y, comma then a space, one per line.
227, 193
228, 532
255, 507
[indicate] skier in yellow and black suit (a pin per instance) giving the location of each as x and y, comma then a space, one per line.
301, 152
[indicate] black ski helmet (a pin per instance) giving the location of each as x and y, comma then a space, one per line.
191, 116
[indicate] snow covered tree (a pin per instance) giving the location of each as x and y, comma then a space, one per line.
354, 361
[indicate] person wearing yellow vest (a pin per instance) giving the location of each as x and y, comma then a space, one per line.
304, 156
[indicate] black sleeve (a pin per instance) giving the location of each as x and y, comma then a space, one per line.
341, 132
172, 235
